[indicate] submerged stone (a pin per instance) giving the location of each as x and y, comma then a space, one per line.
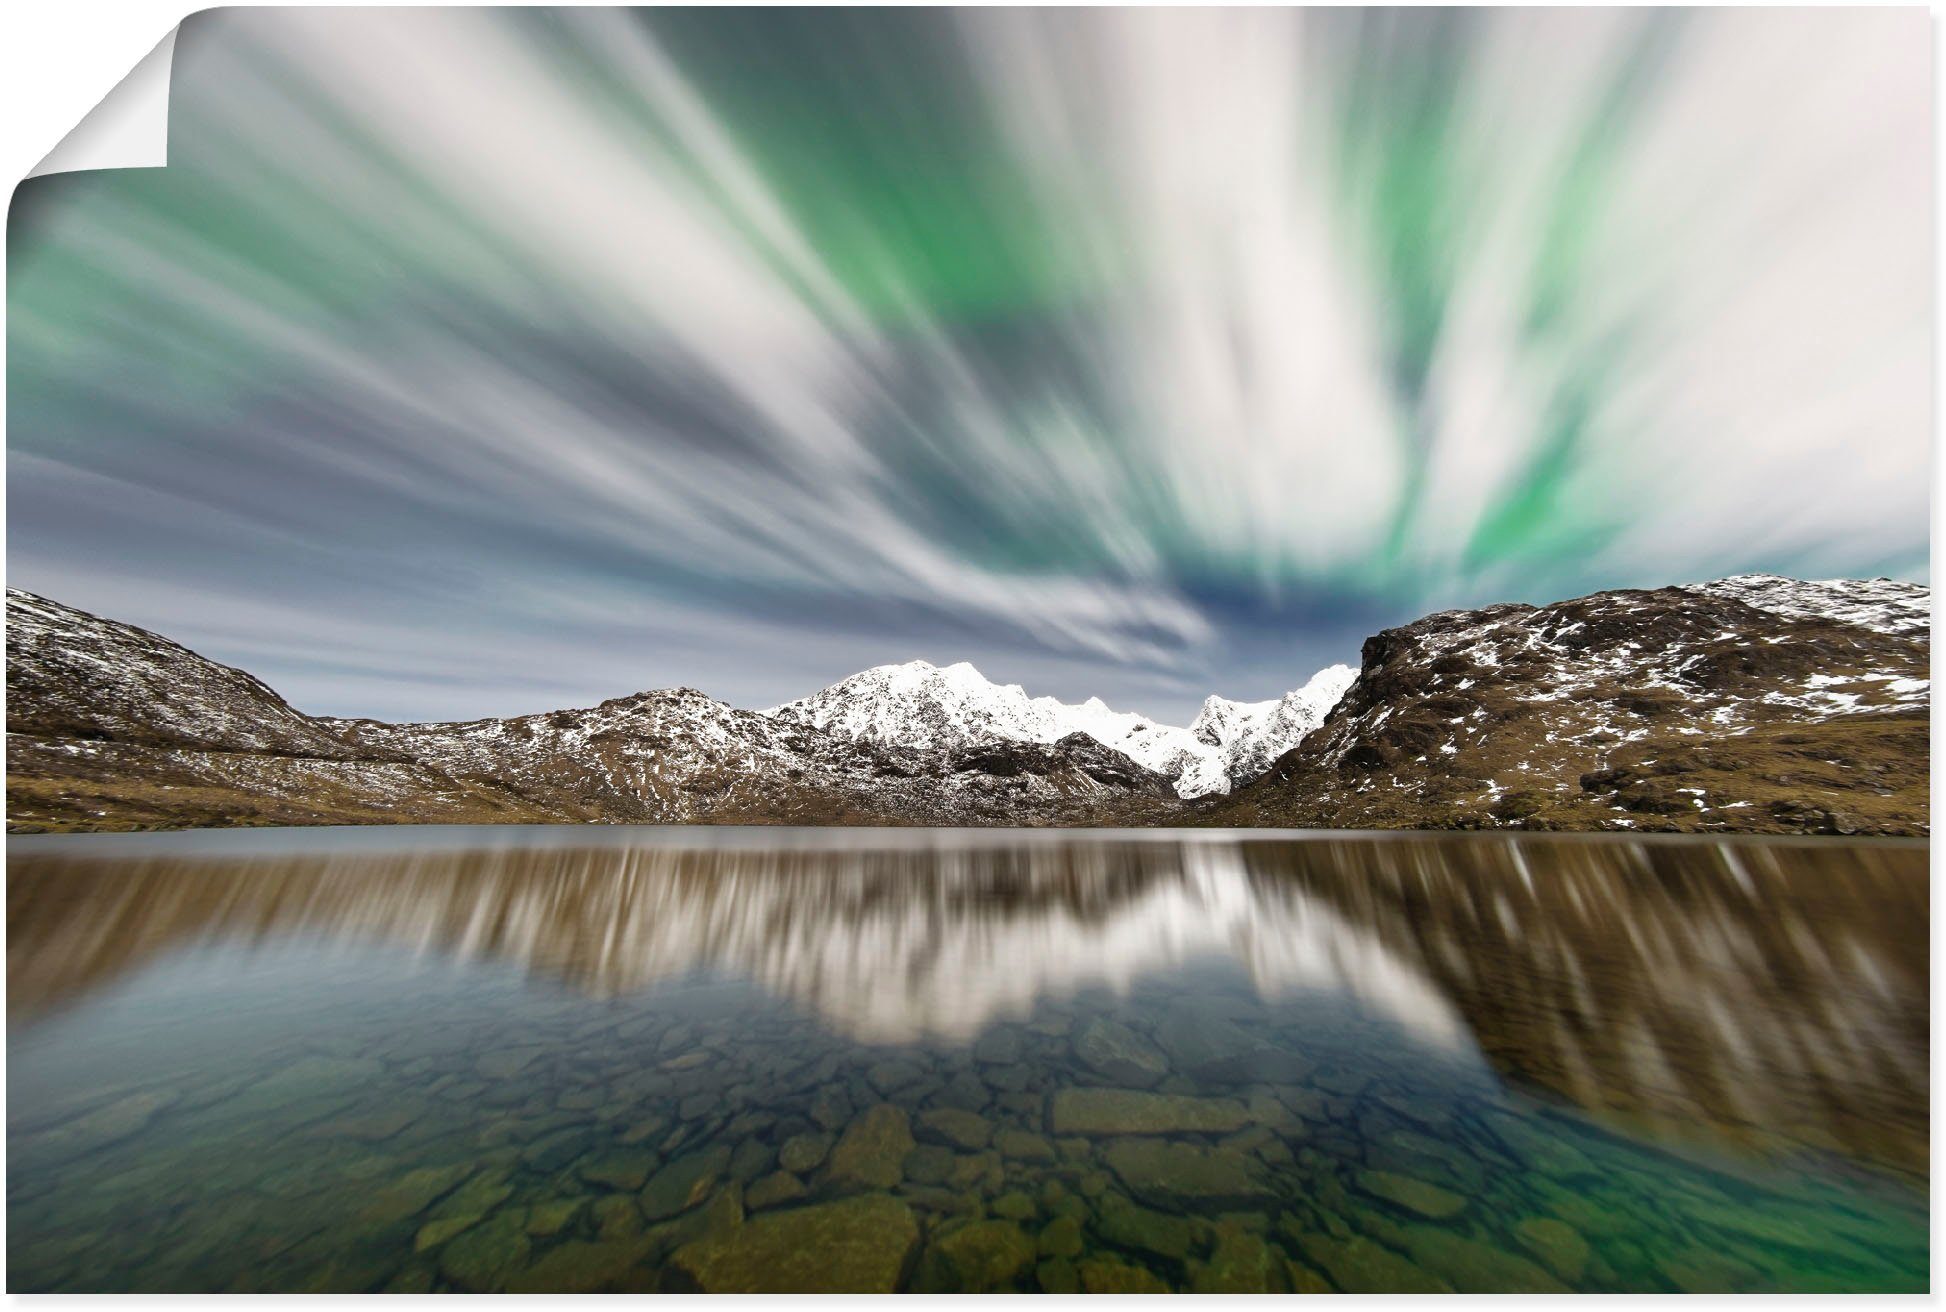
803, 1152
1060, 1237
1023, 1144
956, 1127
853, 1246
106, 1125
684, 1183
1558, 1245
982, 1258
1104, 1275
411, 1193
553, 1215
1057, 1275
480, 1260
626, 1170
773, 1191
1128, 1225
1104, 1112
580, 1267
1242, 1263
929, 1163
873, 1148
1119, 1054
1183, 1175
1477, 1268
1427, 1200
1358, 1265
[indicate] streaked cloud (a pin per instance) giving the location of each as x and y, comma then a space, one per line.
468, 360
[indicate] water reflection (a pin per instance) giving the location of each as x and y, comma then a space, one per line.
1771, 995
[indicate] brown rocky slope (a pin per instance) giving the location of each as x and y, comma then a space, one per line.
1751, 704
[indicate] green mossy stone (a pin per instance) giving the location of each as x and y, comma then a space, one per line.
684, 1183
1104, 1275
1476, 1268
624, 1170
411, 1194
1242, 1263
856, 1245
981, 1258
1358, 1265
1108, 1112
803, 1152
1428, 1200
1060, 1237
1129, 1225
481, 1260
1558, 1246
929, 1163
581, 1267
553, 1216
955, 1127
871, 1153
1058, 1275
774, 1191
1185, 1176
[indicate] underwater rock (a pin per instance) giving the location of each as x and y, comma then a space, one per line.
872, 1151
1358, 1265
956, 1127
581, 1267
1129, 1225
480, 1260
506, 1062
411, 1193
1119, 1054
853, 1246
1104, 1275
1060, 1237
773, 1191
684, 1182
1183, 1175
1024, 1145
1557, 1244
982, 1258
553, 1216
1242, 1263
1477, 1268
929, 1163
1057, 1275
803, 1152
1104, 1112
999, 1046
1428, 1200
110, 1124
888, 1077
627, 1170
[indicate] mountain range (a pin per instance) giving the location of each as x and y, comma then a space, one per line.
1755, 703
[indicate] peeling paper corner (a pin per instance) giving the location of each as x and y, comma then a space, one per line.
129, 129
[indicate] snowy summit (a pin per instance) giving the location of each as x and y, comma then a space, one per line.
921, 705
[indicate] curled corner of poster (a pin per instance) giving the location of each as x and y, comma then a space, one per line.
129, 129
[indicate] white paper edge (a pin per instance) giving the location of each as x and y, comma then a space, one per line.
129, 129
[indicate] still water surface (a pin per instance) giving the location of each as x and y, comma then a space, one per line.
508, 1059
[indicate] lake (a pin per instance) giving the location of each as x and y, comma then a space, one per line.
642, 1059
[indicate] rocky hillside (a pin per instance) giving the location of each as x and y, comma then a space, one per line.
111, 727
1754, 703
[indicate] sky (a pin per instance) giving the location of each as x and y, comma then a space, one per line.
477, 362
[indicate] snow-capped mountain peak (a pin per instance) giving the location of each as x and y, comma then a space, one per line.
921, 705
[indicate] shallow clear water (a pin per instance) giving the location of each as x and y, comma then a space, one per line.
642, 1060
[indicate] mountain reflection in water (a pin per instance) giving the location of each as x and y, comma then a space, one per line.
1772, 995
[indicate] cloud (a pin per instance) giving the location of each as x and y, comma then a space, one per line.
1150, 350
